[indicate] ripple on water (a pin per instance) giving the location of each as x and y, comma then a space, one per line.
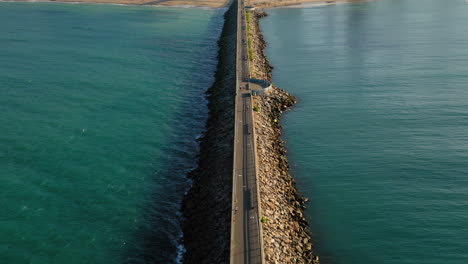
101, 107
377, 140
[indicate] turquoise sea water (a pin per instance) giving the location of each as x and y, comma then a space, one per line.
100, 109
378, 140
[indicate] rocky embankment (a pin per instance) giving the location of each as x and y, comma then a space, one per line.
285, 233
207, 205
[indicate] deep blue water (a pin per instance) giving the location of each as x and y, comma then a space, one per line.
100, 109
378, 140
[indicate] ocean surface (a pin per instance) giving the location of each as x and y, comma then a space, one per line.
100, 109
379, 138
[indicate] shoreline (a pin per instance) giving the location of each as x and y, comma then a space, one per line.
282, 205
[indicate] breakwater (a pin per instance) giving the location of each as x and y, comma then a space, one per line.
207, 205
285, 230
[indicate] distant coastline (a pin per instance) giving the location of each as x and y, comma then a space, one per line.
295, 3
197, 3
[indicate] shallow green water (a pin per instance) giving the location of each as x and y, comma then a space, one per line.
378, 140
100, 109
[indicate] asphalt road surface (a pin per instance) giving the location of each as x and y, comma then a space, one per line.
246, 244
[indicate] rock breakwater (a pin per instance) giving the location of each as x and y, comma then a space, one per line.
285, 229
207, 205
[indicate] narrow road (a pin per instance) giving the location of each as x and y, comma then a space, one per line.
246, 243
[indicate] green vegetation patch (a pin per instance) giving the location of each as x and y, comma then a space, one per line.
248, 16
255, 108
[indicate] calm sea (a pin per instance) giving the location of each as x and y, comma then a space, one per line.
379, 138
100, 108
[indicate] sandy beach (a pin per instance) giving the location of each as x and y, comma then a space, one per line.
194, 3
